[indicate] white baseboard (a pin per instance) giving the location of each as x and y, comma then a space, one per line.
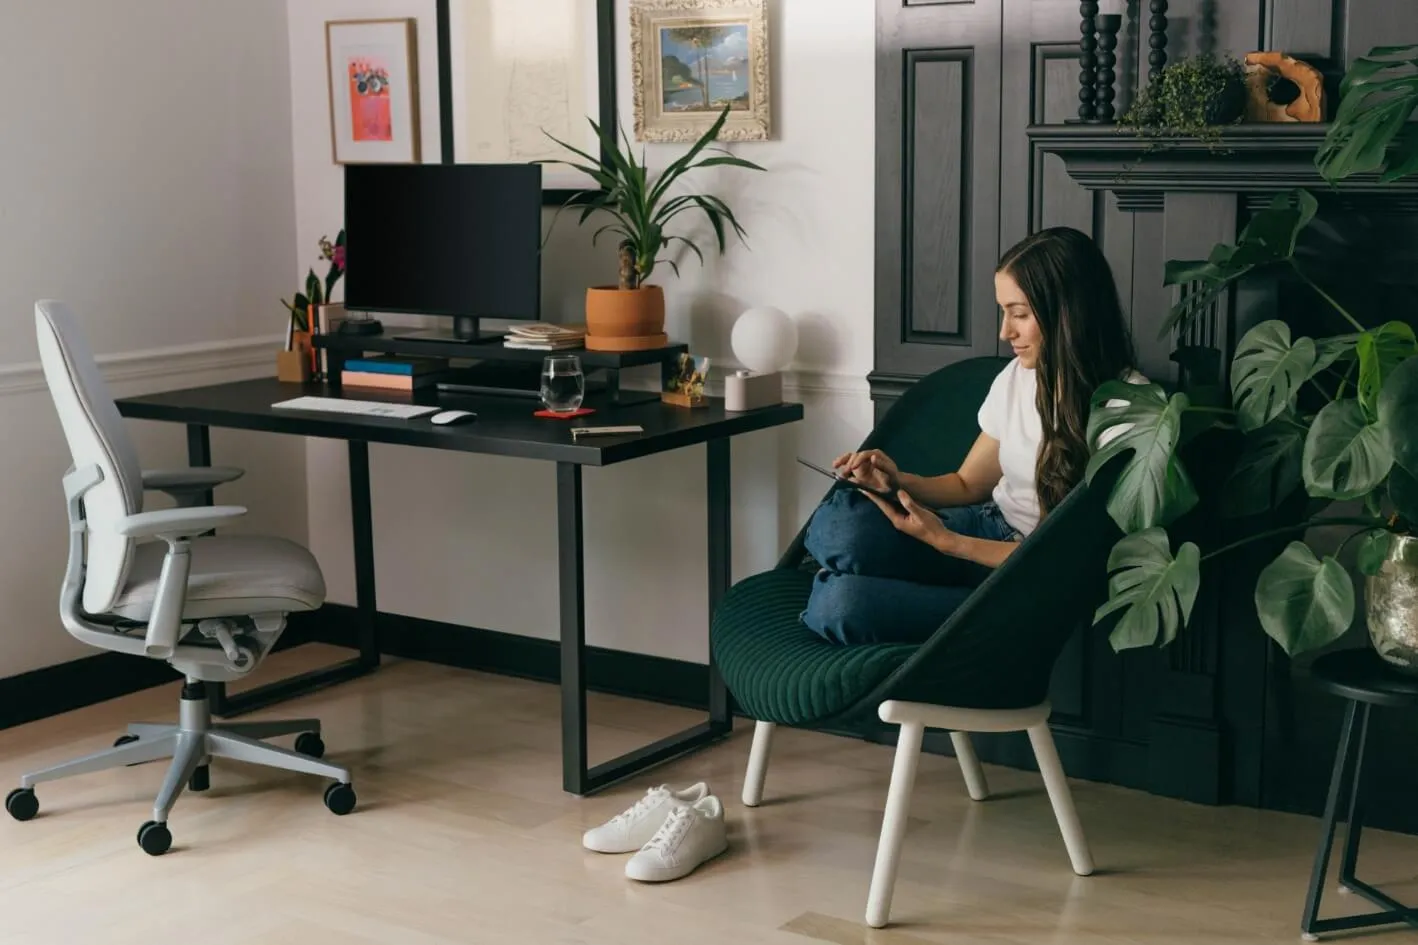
200, 358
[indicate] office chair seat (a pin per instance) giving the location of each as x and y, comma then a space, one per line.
232, 575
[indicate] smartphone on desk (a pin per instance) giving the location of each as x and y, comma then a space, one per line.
885, 494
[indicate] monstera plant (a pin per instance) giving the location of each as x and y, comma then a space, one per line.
1335, 416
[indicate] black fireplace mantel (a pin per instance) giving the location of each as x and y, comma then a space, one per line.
1255, 160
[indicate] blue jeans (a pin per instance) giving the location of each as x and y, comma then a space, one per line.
877, 585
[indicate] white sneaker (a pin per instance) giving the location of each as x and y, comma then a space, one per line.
632, 828
688, 837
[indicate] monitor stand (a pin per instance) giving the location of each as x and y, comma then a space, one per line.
465, 331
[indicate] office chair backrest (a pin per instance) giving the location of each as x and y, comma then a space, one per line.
96, 436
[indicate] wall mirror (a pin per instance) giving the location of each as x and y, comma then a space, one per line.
512, 71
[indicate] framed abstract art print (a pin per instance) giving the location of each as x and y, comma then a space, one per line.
373, 74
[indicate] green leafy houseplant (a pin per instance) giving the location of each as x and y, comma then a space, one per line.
1193, 97
642, 209
1336, 416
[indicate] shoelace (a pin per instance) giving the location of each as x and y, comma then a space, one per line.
651, 797
670, 832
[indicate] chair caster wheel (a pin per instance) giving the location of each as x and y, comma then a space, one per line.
201, 778
21, 803
340, 798
154, 838
124, 740
308, 743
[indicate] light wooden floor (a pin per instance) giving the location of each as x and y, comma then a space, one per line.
463, 835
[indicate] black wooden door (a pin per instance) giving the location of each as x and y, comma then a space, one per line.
937, 187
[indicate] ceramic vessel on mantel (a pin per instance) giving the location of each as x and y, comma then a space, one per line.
625, 319
1392, 605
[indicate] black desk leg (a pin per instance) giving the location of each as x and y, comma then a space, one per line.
571, 562
577, 778
1350, 753
721, 719
259, 697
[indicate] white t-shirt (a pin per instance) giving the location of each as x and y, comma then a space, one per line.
1009, 414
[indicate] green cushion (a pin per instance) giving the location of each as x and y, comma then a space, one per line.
778, 669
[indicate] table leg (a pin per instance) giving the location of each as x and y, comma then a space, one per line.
721, 718
1352, 740
227, 705
572, 586
577, 777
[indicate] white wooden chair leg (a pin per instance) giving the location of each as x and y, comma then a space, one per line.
970, 766
1059, 795
757, 763
893, 824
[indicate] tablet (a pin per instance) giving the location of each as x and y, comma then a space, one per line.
886, 494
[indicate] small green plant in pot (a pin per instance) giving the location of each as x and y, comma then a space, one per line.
1334, 416
631, 315
1193, 97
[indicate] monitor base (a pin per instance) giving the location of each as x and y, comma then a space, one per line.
465, 330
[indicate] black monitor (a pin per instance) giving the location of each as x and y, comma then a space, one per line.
454, 240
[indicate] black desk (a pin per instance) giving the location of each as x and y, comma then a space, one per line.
505, 427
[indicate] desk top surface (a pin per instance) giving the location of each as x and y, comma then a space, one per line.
505, 425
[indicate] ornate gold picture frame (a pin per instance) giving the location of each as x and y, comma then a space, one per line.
690, 58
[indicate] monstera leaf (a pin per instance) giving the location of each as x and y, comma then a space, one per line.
1381, 351
1154, 590
1403, 492
1398, 414
1269, 238
1345, 456
1372, 550
1377, 95
1267, 372
1153, 488
1268, 470
1303, 602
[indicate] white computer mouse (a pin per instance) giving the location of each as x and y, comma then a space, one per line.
446, 417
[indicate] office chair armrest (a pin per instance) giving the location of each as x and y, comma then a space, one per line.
189, 483
176, 527
176, 524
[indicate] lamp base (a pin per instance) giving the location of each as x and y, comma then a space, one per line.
746, 391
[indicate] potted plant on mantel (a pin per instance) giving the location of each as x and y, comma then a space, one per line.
630, 316
1336, 415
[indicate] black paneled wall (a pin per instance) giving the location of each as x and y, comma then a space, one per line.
1217, 717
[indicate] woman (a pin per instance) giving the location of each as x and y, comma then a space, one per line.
894, 575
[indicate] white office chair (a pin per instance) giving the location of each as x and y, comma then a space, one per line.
212, 606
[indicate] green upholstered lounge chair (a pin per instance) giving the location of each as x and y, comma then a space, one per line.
986, 669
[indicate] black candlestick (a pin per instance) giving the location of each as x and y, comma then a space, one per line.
1157, 39
1088, 62
1108, 26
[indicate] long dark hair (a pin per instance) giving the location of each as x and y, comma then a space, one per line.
1070, 288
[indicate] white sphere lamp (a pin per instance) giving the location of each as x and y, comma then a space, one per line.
764, 340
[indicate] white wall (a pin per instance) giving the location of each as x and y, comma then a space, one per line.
147, 180
472, 540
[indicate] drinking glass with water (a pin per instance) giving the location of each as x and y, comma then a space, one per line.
563, 383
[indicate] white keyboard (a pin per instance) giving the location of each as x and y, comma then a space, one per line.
365, 408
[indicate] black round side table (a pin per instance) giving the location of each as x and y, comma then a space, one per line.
1362, 678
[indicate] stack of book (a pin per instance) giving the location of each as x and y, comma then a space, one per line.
387, 372
544, 336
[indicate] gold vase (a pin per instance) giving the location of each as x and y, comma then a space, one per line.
1392, 605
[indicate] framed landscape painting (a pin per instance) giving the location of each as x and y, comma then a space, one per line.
692, 58
373, 74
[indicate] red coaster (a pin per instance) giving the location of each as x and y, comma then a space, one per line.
578, 412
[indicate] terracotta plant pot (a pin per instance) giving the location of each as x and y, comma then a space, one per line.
625, 319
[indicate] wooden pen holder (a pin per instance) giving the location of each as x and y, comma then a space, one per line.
296, 365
